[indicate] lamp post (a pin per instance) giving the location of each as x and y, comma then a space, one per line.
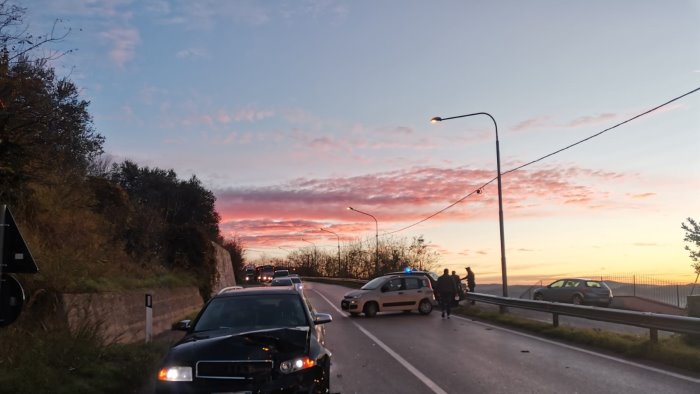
337, 236
376, 263
500, 198
315, 263
287, 259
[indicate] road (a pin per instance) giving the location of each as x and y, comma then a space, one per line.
399, 353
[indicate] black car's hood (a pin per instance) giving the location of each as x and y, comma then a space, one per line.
224, 344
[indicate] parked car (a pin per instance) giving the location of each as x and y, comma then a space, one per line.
260, 340
576, 291
399, 292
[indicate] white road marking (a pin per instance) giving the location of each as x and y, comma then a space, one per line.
605, 356
432, 385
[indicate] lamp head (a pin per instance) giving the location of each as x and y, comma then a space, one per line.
350, 209
436, 119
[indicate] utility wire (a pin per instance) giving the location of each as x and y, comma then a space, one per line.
544, 157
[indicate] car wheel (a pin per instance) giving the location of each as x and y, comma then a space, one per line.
539, 297
371, 309
425, 307
577, 300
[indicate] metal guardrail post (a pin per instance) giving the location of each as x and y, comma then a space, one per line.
654, 335
555, 319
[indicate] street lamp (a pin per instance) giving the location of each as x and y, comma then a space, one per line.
287, 259
500, 198
337, 236
315, 263
376, 264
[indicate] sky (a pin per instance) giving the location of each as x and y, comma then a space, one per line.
291, 111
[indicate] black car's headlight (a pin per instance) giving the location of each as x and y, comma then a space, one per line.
296, 364
175, 374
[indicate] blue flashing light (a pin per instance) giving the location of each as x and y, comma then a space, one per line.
407, 270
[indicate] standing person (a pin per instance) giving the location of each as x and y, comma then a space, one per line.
447, 289
458, 285
471, 281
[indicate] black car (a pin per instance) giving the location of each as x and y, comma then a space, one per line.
254, 340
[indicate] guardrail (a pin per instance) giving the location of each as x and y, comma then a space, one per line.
652, 321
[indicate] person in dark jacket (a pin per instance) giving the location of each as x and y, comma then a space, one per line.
458, 284
471, 282
447, 289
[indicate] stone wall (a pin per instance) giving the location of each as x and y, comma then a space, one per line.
224, 269
123, 315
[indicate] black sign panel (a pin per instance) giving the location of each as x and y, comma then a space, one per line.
11, 299
15, 255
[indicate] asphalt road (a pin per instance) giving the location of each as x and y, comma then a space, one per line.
399, 353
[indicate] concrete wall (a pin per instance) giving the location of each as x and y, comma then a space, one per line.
123, 315
224, 269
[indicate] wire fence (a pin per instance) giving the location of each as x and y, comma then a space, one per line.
650, 287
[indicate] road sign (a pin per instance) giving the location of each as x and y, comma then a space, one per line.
14, 253
11, 299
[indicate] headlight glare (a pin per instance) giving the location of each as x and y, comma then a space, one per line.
296, 364
175, 374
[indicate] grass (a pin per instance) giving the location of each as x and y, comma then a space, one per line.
676, 351
53, 360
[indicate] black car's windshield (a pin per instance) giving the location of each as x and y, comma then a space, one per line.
253, 312
373, 284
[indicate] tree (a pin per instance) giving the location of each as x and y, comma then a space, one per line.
692, 236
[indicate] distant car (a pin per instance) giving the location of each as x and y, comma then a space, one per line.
230, 288
253, 340
249, 275
284, 281
297, 282
577, 291
266, 274
400, 292
280, 273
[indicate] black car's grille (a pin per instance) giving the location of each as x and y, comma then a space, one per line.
241, 370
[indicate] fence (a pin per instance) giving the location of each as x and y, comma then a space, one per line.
632, 285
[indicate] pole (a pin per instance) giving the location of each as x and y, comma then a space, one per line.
376, 223
504, 276
337, 236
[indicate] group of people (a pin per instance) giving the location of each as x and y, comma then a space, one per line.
449, 287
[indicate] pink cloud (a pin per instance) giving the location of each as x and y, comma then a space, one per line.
395, 198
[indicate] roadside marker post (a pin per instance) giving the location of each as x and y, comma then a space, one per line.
149, 317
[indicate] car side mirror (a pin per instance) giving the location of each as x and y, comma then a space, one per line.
182, 325
322, 318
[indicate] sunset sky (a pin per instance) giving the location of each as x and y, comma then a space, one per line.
290, 111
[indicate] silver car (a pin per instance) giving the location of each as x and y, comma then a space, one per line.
577, 291
404, 292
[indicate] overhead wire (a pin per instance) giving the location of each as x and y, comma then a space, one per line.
544, 157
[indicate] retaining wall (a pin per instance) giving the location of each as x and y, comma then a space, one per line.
123, 315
